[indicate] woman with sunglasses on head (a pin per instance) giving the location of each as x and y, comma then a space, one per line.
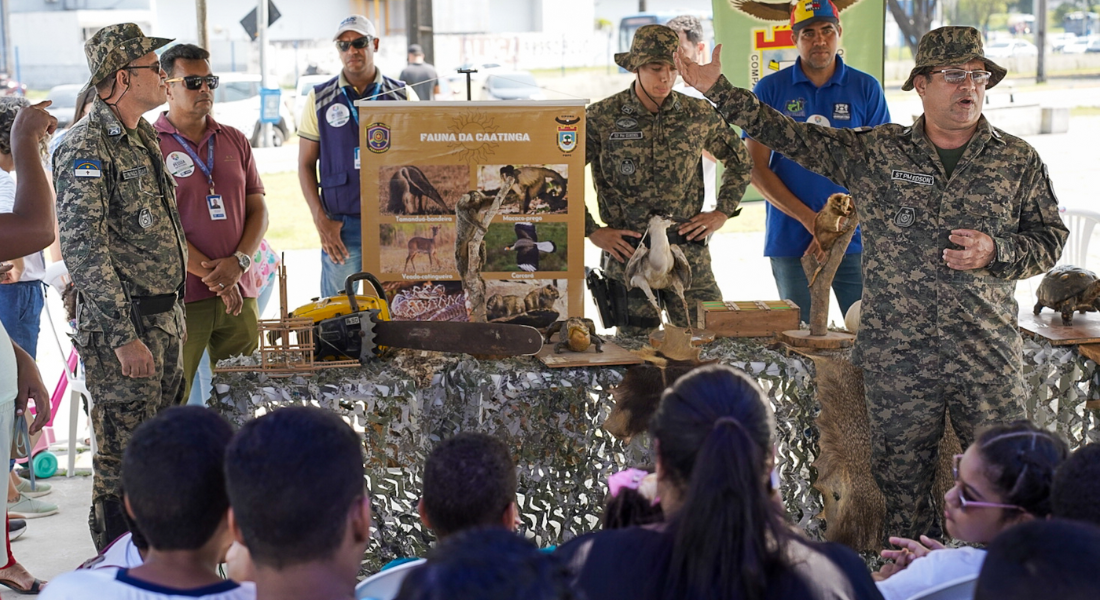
1001, 480
723, 537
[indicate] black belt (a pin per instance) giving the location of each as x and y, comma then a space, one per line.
154, 305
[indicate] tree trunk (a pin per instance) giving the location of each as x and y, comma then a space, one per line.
915, 25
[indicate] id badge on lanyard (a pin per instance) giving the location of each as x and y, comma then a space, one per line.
214, 204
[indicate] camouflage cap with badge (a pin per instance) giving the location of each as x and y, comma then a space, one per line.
116, 46
808, 12
652, 43
950, 46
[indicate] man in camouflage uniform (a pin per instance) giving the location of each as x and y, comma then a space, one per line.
954, 211
645, 144
124, 246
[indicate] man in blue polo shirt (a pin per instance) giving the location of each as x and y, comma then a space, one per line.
818, 88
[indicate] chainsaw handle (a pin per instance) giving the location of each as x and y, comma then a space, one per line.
352, 280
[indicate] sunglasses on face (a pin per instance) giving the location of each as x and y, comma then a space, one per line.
194, 82
358, 43
964, 502
959, 76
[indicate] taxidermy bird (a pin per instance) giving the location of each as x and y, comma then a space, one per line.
779, 11
661, 266
527, 247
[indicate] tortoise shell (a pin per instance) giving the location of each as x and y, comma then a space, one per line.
1066, 289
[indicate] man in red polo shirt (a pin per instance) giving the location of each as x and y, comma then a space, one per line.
221, 205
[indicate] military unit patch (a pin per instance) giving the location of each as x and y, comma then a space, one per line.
628, 109
114, 130
905, 217
83, 167
627, 167
145, 218
626, 123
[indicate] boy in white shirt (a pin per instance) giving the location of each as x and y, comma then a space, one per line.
174, 489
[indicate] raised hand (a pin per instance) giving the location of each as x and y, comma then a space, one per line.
700, 77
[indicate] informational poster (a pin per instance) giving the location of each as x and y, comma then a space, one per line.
426, 167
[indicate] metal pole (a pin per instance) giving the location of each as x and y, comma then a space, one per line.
261, 35
6, 65
200, 23
1041, 40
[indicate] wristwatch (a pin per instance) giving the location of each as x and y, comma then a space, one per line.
244, 260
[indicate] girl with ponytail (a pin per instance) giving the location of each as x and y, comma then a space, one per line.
724, 537
1003, 479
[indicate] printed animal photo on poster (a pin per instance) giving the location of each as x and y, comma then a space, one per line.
535, 302
426, 300
537, 189
526, 247
421, 189
427, 248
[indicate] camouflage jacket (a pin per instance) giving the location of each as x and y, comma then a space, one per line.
116, 207
919, 316
643, 161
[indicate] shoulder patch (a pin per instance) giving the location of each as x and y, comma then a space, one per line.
83, 167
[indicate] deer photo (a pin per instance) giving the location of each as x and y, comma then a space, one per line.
422, 245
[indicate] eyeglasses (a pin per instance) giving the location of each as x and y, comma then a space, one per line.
959, 76
194, 82
358, 44
964, 503
155, 67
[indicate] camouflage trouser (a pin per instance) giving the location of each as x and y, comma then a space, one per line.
907, 421
120, 404
703, 288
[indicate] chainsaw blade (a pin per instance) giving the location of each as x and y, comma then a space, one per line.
470, 338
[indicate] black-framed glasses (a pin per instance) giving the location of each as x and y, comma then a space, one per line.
155, 67
959, 76
194, 82
358, 43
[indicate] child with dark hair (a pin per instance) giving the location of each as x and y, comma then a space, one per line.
723, 536
1042, 559
303, 545
1076, 491
487, 564
174, 488
469, 481
631, 500
1002, 480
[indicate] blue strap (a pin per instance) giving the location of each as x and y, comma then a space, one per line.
208, 168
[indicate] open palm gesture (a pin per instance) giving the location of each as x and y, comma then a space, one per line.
700, 77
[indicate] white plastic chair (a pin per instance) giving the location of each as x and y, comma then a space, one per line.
385, 585
956, 589
77, 389
1081, 224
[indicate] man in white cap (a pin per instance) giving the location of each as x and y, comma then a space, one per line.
329, 143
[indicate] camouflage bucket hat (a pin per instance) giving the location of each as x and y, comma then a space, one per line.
952, 46
652, 43
116, 46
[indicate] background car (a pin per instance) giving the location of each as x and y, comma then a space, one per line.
512, 85
305, 84
237, 104
1094, 45
1009, 48
64, 102
1058, 41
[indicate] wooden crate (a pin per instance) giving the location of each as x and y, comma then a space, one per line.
748, 318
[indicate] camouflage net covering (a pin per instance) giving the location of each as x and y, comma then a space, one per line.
551, 419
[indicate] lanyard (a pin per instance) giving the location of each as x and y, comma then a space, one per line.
374, 87
207, 168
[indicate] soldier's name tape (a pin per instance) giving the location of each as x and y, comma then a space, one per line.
917, 178
626, 135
